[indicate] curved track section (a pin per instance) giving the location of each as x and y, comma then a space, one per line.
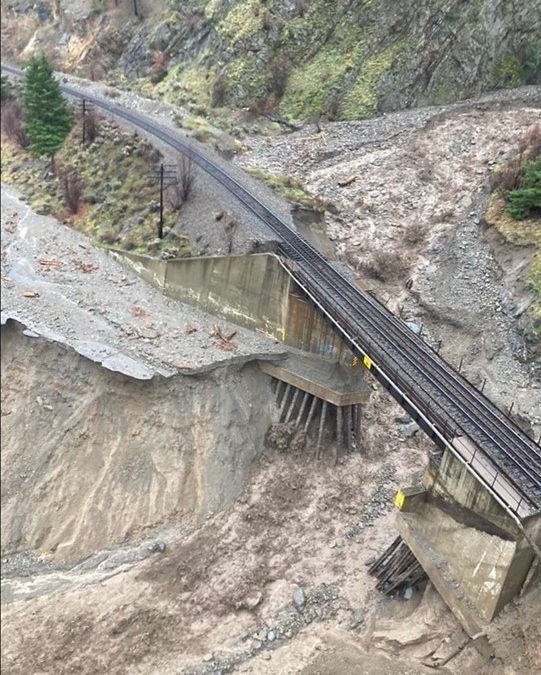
445, 405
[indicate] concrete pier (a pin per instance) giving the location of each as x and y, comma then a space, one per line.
473, 551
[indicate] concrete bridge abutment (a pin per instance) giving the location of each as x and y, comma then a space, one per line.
473, 551
321, 382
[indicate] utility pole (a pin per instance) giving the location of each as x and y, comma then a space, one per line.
84, 121
160, 227
167, 177
135, 8
85, 108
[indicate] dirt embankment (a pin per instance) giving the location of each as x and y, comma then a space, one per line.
411, 223
101, 456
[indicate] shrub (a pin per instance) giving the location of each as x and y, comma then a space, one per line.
91, 126
527, 199
531, 63
386, 265
219, 91
181, 189
415, 233
509, 71
6, 89
280, 68
159, 67
12, 122
509, 177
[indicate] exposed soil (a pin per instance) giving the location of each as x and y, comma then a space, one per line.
411, 224
224, 589
220, 598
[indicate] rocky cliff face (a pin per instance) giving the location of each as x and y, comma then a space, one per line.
306, 59
91, 457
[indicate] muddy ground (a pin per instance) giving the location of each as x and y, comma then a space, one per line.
226, 597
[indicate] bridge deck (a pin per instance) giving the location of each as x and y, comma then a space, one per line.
443, 402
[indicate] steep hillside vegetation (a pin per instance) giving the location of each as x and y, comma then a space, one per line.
304, 59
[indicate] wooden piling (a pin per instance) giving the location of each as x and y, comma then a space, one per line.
279, 391
284, 400
292, 405
358, 427
301, 409
339, 426
321, 427
310, 413
349, 422
339, 432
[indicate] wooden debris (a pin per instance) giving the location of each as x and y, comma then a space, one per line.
190, 329
50, 262
347, 181
135, 310
30, 294
396, 568
84, 267
222, 341
183, 366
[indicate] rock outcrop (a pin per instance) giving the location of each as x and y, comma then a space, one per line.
337, 60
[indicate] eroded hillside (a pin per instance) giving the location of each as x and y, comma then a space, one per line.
337, 60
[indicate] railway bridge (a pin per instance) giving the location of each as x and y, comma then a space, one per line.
486, 478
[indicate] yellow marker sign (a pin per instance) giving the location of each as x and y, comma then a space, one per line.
367, 362
282, 332
399, 499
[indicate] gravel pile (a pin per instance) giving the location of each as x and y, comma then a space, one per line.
60, 287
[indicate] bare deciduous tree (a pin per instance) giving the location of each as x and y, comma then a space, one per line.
181, 188
92, 126
230, 227
72, 189
13, 122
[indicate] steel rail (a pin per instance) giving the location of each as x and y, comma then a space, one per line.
458, 378
281, 228
354, 307
534, 476
445, 389
422, 420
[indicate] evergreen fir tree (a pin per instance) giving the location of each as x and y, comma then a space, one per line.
526, 200
47, 114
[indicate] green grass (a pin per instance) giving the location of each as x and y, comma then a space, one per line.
120, 195
526, 232
291, 188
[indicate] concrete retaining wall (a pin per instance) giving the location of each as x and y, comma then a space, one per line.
253, 291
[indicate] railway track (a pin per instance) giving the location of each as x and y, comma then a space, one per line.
445, 405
